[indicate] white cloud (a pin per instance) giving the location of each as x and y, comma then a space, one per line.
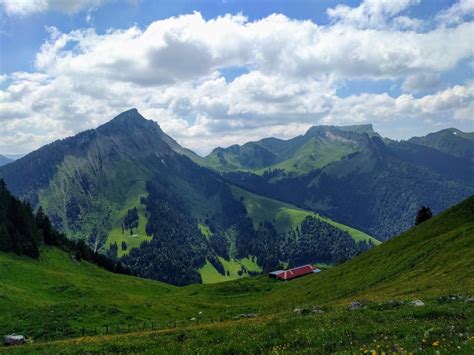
27, 7
372, 13
189, 47
171, 71
457, 12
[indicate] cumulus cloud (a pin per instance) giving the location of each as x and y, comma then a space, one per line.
421, 82
27, 7
373, 13
189, 47
172, 72
457, 12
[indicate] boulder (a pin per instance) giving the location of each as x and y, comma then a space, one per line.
14, 339
301, 311
417, 303
317, 309
356, 305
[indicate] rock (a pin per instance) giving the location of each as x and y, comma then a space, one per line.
450, 298
417, 303
193, 319
356, 305
14, 339
301, 311
317, 310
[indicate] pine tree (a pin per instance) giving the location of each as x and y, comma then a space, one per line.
423, 215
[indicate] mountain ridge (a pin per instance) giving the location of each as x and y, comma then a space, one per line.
4, 160
125, 186
367, 174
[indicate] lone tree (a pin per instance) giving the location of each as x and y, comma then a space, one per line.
423, 215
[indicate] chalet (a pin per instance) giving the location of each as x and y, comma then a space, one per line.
290, 274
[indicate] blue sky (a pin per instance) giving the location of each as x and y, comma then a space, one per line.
223, 72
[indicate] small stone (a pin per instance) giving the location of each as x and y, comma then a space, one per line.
14, 339
301, 311
417, 303
356, 305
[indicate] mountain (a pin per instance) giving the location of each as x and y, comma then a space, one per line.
451, 141
320, 146
352, 175
433, 262
4, 160
131, 191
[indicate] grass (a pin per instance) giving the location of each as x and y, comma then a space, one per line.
139, 234
232, 267
285, 216
55, 297
402, 329
204, 230
315, 154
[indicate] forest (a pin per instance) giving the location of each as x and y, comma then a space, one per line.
23, 232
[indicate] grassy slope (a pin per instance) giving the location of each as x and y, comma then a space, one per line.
139, 234
210, 275
315, 154
431, 260
285, 216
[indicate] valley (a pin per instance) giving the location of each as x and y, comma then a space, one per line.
423, 263
89, 183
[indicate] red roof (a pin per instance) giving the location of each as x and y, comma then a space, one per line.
295, 272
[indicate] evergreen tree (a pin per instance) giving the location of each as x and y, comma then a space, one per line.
423, 215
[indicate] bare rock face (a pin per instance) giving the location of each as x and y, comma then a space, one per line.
14, 339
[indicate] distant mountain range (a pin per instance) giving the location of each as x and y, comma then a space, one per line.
355, 176
134, 193
450, 141
4, 160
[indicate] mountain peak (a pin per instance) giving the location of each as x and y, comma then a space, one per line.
129, 115
128, 121
362, 128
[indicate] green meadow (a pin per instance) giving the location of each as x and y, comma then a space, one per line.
63, 305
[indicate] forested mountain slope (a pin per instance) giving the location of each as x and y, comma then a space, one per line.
376, 186
451, 141
131, 191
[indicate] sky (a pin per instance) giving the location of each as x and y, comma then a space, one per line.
216, 73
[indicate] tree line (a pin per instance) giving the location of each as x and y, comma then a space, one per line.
22, 231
